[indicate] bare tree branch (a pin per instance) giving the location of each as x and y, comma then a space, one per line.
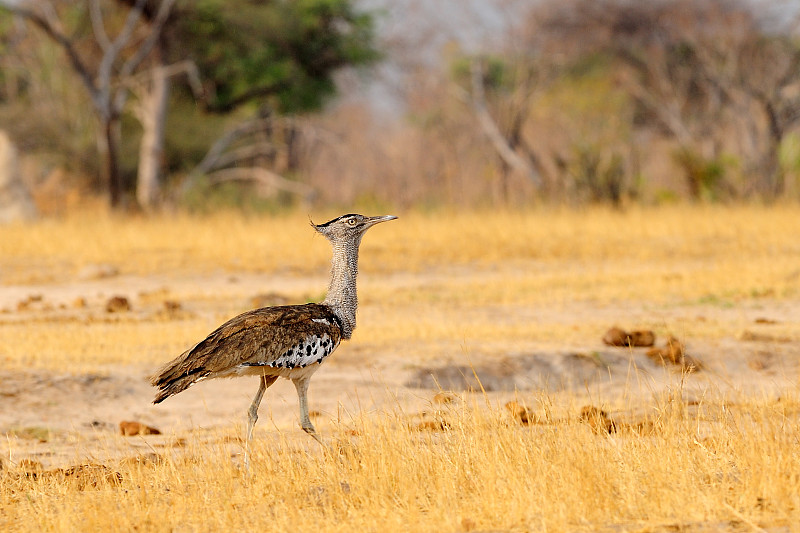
98, 26
245, 153
155, 33
216, 150
506, 152
264, 177
104, 71
46, 25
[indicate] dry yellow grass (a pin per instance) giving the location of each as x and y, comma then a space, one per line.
458, 267
433, 287
756, 243
713, 467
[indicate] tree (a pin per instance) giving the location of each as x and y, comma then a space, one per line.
286, 51
274, 58
705, 73
103, 66
248, 53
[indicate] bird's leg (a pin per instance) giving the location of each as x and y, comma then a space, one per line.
305, 422
252, 415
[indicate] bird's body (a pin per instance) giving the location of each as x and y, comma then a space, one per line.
290, 341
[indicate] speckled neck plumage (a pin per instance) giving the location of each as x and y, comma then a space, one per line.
342, 297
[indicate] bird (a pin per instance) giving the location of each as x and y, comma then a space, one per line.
288, 341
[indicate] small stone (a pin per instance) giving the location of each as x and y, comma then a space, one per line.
521, 413
598, 419
762, 320
118, 304
130, 428
616, 337
444, 398
619, 337
642, 338
674, 352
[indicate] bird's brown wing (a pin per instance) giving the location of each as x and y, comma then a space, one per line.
261, 337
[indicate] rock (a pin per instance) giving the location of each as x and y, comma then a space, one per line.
598, 419
674, 352
619, 337
642, 338
130, 428
763, 320
16, 204
171, 306
118, 304
522, 414
444, 397
616, 337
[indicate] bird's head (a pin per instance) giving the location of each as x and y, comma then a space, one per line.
349, 227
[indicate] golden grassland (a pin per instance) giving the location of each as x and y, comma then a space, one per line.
442, 273
713, 467
441, 282
747, 238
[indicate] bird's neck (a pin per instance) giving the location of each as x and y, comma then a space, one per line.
342, 297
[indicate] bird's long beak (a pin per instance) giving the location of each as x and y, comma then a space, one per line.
376, 220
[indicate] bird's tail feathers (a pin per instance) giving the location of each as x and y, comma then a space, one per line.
174, 377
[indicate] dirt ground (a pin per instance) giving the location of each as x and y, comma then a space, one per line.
62, 416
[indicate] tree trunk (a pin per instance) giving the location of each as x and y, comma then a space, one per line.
111, 131
153, 116
771, 165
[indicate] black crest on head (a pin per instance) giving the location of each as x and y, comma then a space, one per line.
328, 223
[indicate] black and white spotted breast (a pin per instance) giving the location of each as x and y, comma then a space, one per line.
311, 350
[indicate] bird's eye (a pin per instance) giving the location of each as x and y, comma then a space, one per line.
352, 222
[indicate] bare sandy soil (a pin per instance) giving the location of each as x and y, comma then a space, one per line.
63, 416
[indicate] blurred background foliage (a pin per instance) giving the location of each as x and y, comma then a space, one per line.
274, 104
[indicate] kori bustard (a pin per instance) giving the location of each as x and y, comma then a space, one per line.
289, 341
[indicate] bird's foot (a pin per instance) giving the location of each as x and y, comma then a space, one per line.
313, 433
